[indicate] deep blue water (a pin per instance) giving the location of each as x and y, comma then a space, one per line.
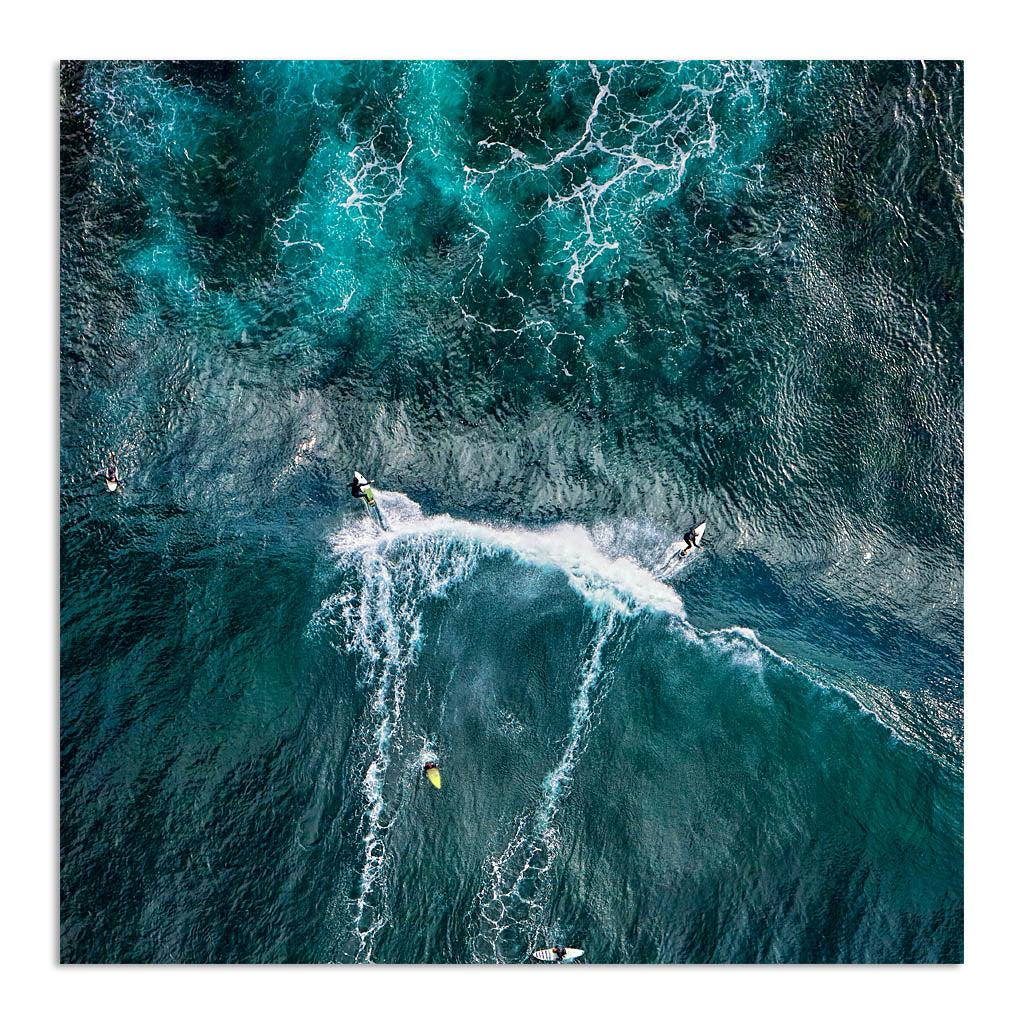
558, 312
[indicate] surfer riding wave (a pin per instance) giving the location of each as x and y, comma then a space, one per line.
677, 553
360, 488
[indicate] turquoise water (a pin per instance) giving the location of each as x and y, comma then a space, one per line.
558, 312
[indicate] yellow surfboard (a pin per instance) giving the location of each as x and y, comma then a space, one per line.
435, 777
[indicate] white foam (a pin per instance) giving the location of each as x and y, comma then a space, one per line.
559, 779
605, 583
513, 896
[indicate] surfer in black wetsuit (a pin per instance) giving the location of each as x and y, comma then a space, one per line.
360, 488
110, 473
677, 554
359, 485
559, 953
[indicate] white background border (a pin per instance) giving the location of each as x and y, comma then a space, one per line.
37, 988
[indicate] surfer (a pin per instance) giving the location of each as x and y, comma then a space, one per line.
690, 537
110, 475
360, 488
676, 554
433, 772
557, 954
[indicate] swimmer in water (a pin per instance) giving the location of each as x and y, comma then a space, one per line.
110, 474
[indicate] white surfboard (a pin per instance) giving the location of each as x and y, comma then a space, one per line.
111, 484
674, 556
550, 956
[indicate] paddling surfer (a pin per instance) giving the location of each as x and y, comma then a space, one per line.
110, 474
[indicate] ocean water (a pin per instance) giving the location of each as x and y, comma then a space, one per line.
559, 312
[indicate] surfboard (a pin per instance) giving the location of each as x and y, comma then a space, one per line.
372, 508
550, 956
111, 484
674, 557
380, 516
435, 777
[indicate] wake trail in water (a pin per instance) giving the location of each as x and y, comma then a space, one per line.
379, 618
512, 901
